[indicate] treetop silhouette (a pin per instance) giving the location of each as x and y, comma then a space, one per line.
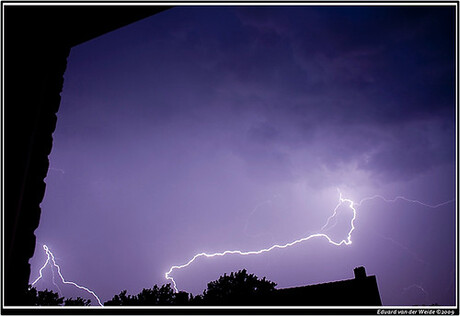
238, 288
50, 298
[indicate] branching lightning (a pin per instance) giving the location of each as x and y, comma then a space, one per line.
402, 198
50, 258
346, 241
351, 204
54, 280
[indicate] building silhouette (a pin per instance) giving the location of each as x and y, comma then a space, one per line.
37, 42
360, 291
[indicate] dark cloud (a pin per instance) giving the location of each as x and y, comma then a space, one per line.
411, 151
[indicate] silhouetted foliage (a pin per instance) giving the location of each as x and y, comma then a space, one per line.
42, 298
182, 298
121, 300
238, 288
196, 300
156, 296
77, 302
50, 298
163, 295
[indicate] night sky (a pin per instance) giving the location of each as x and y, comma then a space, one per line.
205, 129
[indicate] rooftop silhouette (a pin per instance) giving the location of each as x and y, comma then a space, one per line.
360, 291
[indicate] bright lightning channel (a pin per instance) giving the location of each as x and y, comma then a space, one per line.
346, 241
50, 257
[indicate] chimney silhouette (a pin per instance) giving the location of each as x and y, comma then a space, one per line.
360, 273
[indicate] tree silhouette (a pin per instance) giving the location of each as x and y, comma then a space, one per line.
238, 288
163, 295
42, 298
77, 302
121, 300
156, 296
50, 298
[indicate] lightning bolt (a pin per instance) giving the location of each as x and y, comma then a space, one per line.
351, 204
50, 257
334, 213
54, 281
404, 199
346, 241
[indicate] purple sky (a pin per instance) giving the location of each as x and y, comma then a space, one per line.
224, 128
